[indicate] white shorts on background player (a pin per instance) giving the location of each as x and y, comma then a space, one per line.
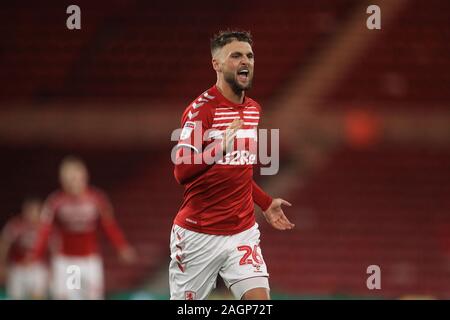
27, 281
197, 259
77, 278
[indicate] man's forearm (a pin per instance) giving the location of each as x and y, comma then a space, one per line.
41, 241
192, 165
114, 233
262, 199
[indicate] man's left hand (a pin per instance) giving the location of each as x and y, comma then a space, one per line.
275, 215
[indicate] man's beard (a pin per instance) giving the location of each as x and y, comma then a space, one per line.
235, 86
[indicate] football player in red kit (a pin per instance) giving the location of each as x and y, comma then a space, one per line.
215, 231
23, 280
75, 213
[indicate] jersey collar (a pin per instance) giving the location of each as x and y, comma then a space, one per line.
225, 102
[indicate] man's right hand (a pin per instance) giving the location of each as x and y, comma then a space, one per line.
230, 134
128, 255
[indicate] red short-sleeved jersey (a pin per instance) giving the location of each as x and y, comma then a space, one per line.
77, 221
219, 201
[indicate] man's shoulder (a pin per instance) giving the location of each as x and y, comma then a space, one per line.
252, 103
206, 99
200, 106
55, 197
96, 194
14, 222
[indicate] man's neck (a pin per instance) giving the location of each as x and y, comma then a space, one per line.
228, 93
75, 193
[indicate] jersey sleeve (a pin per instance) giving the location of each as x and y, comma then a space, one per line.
196, 120
49, 208
191, 161
47, 219
262, 199
108, 221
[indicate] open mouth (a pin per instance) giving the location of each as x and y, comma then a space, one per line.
243, 74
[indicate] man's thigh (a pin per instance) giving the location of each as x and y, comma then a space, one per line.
195, 262
245, 268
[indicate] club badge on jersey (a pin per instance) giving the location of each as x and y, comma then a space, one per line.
189, 295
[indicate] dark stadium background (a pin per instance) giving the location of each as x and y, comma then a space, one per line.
364, 118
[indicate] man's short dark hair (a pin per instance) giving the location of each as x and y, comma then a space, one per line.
225, 37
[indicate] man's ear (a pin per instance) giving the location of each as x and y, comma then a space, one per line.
215, 64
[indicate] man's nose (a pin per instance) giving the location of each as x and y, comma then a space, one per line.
245, 61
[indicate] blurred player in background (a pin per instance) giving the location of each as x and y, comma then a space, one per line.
215, 231
75, 213
24, 280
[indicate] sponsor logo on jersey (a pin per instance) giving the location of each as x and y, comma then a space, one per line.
238, 158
